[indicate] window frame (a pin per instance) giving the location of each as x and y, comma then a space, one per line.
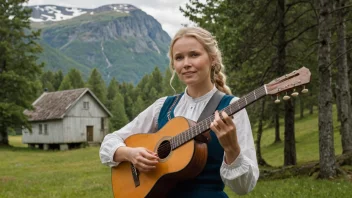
40, 129
46, 129
85, 105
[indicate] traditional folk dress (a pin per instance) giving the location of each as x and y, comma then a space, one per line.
241, 175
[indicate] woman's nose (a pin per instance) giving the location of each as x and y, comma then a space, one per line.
187, 62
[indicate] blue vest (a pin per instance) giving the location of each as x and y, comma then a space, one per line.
208, 183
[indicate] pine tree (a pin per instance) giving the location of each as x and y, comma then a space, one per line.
137, 107
58, 77
66, 84
97, 85
113, 89
47, 80
127, 91
153, 96
18, 66
119, 118
75, 78
156, 80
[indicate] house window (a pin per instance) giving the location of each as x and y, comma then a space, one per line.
102, 123
45, 129
40, 129
85, 105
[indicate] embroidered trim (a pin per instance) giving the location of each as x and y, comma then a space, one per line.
172, 106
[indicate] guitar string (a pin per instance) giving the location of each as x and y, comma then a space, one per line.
181, 139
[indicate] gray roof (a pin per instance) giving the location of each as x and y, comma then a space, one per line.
55, 105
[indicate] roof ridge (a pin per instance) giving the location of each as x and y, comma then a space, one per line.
67, 90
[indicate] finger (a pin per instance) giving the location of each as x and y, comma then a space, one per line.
150, 155
214, 128
219, 122
144, 168
227, 118
151, 152
147, 162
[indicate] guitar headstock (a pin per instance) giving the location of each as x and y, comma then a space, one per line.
289, 81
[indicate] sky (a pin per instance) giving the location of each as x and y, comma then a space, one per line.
165, 11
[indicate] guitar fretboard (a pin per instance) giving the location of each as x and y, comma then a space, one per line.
204, 125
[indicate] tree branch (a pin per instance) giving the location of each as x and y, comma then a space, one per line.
290, 5
296, 19
332, 62
299, 34
341, 8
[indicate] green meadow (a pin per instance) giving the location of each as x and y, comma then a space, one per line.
28, 172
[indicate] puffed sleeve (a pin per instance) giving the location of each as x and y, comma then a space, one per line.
242, 174
145, 122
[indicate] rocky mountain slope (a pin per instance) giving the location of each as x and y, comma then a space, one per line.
120, 40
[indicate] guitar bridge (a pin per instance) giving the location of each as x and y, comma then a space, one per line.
135, 175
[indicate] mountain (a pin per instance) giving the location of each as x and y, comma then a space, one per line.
119, 40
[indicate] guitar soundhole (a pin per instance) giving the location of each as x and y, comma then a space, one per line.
164, 149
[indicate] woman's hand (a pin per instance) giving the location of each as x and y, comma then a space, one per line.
225, 131
143, 159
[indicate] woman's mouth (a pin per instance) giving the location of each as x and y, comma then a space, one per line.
188, 73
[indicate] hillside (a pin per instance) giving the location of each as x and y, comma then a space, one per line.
120, 40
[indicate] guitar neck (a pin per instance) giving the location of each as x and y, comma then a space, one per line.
204, 125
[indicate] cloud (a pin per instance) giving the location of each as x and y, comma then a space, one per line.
165, 11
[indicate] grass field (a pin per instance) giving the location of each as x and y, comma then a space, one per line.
78, 173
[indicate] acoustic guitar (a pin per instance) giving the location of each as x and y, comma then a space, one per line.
181, 156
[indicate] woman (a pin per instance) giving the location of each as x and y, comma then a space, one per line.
196, 59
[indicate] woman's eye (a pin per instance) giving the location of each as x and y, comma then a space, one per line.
194, 54
178, 58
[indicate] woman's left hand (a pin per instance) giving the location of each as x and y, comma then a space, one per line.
225, 131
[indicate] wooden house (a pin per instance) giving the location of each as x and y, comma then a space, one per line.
66, 119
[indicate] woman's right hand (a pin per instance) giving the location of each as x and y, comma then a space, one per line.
143, 159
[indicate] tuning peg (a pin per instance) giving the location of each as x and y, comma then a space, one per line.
286, 97
295, 93
277, 101
304, 90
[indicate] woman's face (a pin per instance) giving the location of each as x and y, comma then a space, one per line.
191, 61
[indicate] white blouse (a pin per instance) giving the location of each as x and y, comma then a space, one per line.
241, 175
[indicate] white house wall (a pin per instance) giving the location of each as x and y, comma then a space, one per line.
76, 129
54, 135
95, 110
78, 118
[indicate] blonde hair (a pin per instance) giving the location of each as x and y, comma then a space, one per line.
209, 43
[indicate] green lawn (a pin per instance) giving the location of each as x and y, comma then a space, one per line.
78, 173
307, 137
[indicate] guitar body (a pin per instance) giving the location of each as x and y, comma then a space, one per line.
187, 161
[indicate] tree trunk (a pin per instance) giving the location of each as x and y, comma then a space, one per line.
290, 144
260, 159
326, 133
301, 107
343, 81
311, 106
277, 124
281, 58
4, 139
338, 100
